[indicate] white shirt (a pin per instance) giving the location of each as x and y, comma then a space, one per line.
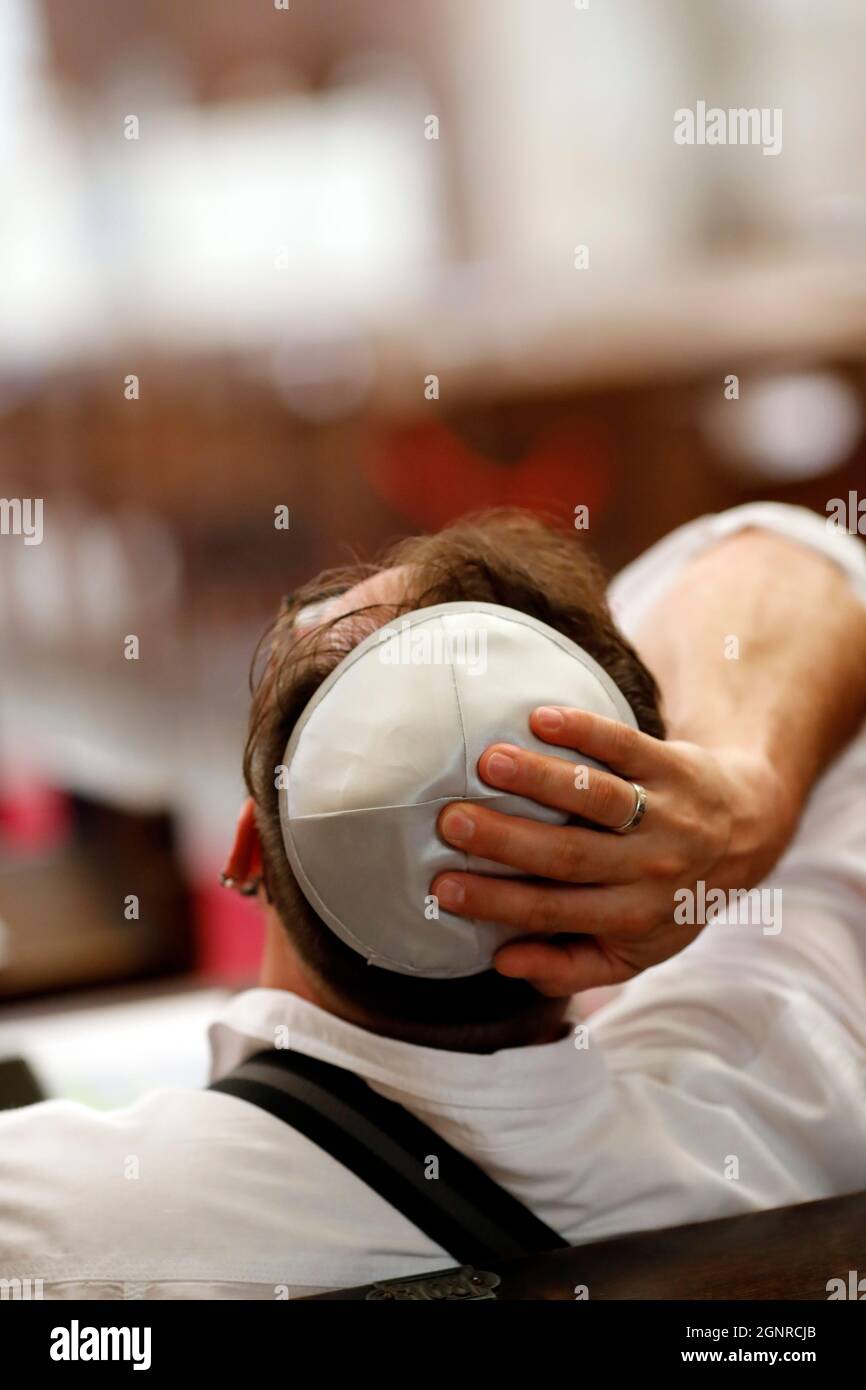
728, 1079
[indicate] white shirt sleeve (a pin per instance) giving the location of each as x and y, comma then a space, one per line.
640, 586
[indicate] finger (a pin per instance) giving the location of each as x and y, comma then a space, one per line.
567, 966
582, 791
568, 853
619, 746
531, 907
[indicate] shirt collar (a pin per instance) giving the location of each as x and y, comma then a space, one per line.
538, 1077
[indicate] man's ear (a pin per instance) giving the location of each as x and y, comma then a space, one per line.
244, 862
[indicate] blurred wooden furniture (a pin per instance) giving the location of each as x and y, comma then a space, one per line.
68, 920
789, 1253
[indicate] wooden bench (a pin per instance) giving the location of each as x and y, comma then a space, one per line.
787, 1253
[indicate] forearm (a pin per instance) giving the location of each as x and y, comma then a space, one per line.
760, 645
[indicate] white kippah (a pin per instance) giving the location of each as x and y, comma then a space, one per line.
395, 732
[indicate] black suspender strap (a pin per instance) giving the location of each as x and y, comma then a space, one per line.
462, 1209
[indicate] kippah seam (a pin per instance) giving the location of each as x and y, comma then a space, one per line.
407, 805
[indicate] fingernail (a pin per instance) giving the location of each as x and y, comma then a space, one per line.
549, 718
450, 893
500, 767
457, 827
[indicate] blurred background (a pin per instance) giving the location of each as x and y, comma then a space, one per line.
321, 261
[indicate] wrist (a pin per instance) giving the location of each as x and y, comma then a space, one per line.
765, 804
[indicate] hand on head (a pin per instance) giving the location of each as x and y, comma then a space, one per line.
607, 899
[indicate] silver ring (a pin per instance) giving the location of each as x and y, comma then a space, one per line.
637, 815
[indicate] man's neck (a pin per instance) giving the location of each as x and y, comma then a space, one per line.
282, 968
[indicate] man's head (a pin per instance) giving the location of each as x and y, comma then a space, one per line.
511, 560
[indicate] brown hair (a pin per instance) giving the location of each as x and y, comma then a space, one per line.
509, 558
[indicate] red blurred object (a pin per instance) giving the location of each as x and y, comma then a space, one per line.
34, 819
229, 933
432, 477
